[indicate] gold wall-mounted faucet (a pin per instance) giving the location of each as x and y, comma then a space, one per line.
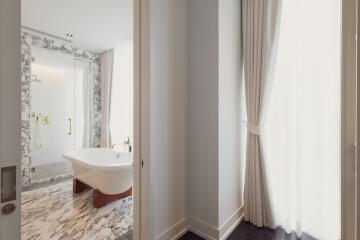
46, 120
127, 143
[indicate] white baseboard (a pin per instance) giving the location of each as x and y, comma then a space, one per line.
204, 230
175, 231
210, 232
231, 223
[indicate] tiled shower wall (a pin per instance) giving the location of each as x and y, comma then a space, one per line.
30, 40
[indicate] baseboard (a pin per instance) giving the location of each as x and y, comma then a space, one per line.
175, 231
231, 223
210, 232
203, 229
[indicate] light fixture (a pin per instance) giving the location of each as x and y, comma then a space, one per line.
69, 35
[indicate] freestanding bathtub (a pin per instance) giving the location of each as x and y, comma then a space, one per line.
107, 171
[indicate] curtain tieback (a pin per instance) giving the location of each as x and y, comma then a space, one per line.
254, 128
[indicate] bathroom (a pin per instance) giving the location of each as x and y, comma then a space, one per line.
77, 119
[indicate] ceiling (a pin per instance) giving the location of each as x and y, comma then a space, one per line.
97, 25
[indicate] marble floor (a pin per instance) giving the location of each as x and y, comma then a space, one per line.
54, 213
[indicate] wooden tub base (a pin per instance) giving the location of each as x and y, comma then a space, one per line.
99, 199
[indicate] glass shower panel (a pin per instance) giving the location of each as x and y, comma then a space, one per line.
83, 103
52, 112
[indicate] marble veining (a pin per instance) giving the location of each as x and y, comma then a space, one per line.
28, 41
25, 113
97, 118
54, 213
52, 179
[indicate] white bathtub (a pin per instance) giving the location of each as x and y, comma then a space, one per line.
106, 170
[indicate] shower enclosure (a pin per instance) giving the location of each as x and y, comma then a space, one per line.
60, 111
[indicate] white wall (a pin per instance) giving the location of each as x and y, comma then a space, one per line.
202, 166
195, 124
230, 163
214, 179
121, 116
168, 77
108, 22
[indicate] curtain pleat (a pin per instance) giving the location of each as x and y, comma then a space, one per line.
106, 67
260, 20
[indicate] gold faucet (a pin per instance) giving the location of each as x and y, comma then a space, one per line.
46, 120
127, 144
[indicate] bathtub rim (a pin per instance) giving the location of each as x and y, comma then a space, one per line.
73, 157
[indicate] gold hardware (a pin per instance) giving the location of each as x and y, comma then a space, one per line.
35, 114
46, 120
127, 140
127, 144
69, 133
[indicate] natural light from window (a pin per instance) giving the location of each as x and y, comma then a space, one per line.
302, 132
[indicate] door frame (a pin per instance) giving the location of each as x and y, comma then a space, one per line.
357, 230
142, 219
10, 113
10, 107
348, 120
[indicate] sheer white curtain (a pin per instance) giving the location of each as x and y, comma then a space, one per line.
106, 65
302, 132
83, 104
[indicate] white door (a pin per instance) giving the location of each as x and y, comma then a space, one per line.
10, 111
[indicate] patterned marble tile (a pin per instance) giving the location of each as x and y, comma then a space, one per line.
97, 117
51, 172
25, 112
51, 180
39, 185
54, 213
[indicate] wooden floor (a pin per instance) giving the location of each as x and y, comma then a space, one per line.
247, 231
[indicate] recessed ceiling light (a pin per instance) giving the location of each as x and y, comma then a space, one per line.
69, 35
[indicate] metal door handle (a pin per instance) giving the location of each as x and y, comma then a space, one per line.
69, 133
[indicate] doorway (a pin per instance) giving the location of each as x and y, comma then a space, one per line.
79, 139
10, 117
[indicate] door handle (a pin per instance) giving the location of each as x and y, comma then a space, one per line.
8, 189
69, 133
8, 184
